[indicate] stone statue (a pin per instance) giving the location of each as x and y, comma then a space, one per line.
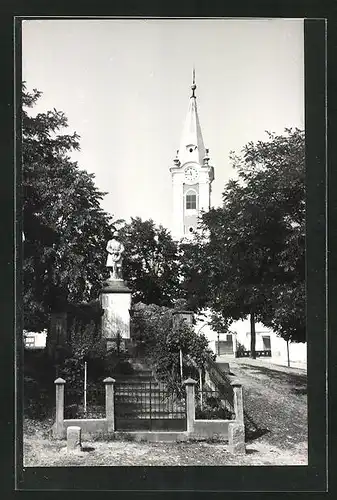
114, 261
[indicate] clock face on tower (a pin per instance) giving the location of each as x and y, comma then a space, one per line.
191, 174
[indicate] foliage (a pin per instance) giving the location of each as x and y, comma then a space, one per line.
193, 273
240, 349
253, 255
82, 345
65, 228
151, 265
212, 409
153, 326
39, 389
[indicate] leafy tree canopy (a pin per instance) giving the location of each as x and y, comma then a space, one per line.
254, 253
65, 228
151, 262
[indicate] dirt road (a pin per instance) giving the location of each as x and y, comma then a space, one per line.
275, 405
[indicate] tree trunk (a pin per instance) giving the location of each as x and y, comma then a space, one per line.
288, 358
252, 336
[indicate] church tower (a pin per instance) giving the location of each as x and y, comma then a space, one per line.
192, 175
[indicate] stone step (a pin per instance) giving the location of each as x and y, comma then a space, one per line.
137, 408
147, 403
156, 395
140, 367
152, 415
132, 381
136, 373
139, 390
147, 407
136, 377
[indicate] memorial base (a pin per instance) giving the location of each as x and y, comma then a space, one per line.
115, 299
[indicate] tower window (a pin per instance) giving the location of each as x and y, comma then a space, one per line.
191, 201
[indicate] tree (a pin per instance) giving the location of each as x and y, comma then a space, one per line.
151, 262
254, 251
65, 228
193, 273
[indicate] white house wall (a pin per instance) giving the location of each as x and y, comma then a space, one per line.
241, 332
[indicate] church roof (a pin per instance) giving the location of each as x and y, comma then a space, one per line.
191, 138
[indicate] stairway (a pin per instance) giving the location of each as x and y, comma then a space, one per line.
141, 402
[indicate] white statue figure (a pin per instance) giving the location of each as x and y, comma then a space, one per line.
114, 261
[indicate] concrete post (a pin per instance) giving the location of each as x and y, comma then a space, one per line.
74, 439
238, 401
59, 427
190, 403
235, 344
236, 438
109, 403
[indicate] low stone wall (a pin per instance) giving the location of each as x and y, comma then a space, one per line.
232, 430
211, 428
155, 436
89, 427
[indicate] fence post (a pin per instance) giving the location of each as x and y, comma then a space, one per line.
238, 401
109, 402
190, 403
59, 420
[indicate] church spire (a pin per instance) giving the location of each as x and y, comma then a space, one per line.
192, 144
193, 84
191, 174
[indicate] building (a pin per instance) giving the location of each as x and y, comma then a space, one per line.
192, 177
268, 344
34, 340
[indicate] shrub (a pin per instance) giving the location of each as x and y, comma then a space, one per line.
212, 409
152, 326
240, 349
38, 385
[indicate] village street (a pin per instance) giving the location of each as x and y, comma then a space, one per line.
275, 403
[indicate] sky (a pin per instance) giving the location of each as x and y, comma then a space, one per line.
124, 85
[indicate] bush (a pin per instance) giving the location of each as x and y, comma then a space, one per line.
39, 388
212, 409
152, 326
240, 349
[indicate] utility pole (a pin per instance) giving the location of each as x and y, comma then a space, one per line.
85, 387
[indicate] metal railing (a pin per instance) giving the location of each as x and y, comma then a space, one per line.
147, 400
74, 402
211, 405
216, 380
258, 354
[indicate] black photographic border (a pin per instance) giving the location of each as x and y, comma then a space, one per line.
184, 479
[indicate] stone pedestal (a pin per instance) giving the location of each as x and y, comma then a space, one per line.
74, 439
236, 438
190, 403
115, 299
